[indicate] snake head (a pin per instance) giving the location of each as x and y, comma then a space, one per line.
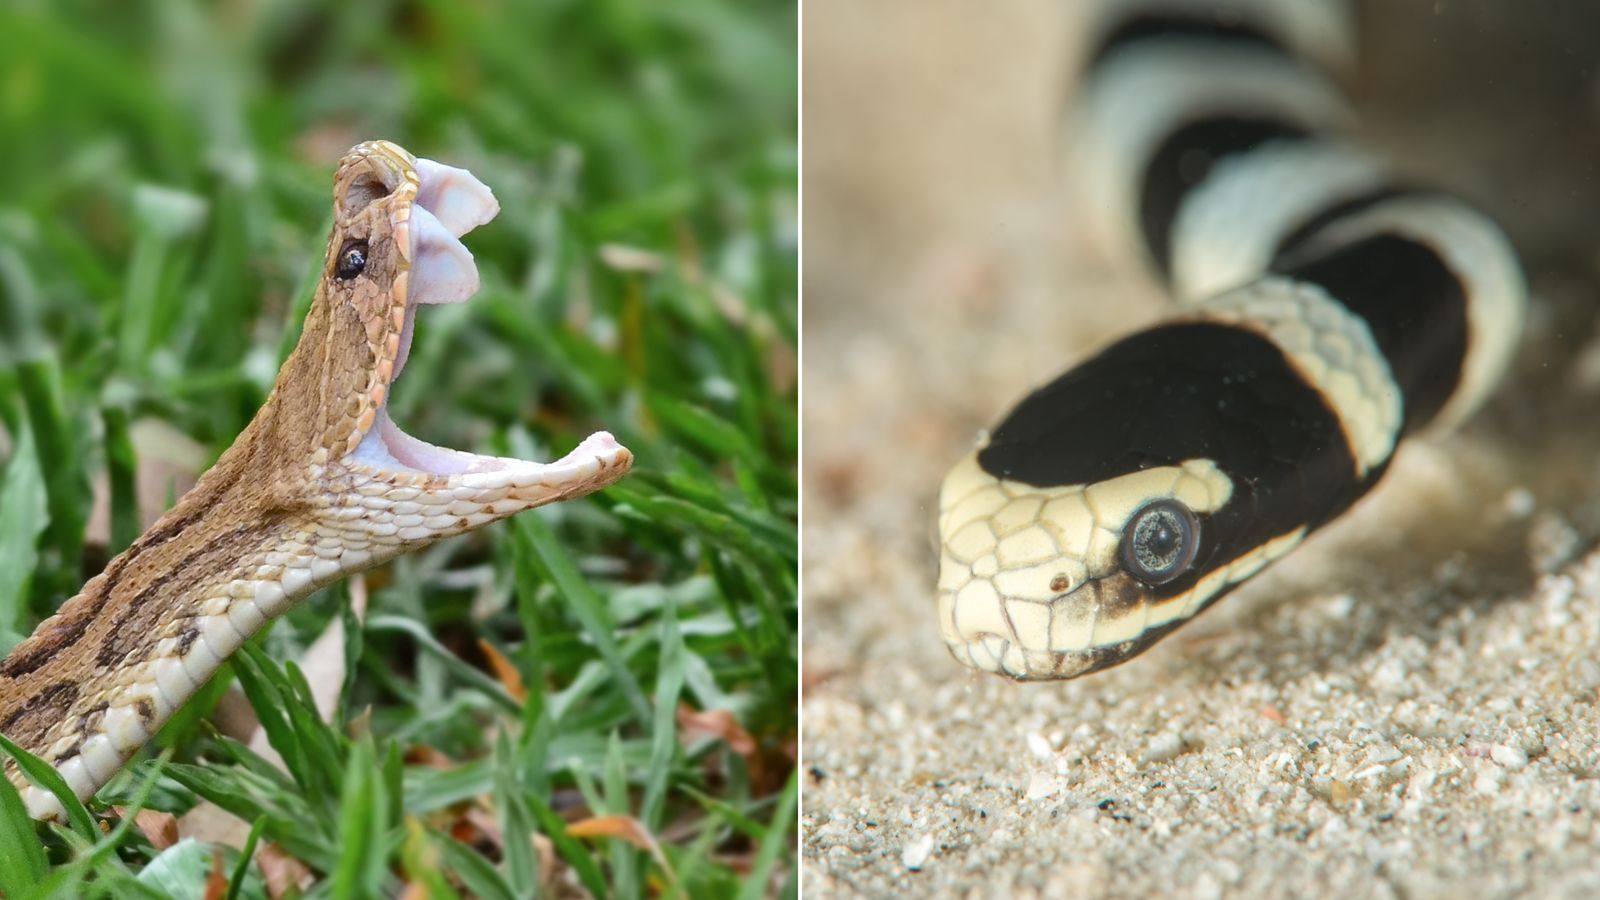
396, 246
1047, 582
1118, 501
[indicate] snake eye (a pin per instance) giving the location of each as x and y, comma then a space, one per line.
1159, 542
352, 260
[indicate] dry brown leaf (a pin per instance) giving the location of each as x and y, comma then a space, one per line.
477, 828
487, 825
168, 462
505, 671
159, 828
234, 716
463, 831
211, 824
625, 828
694, 724
217, 881
282, 872
551, 867
432, 757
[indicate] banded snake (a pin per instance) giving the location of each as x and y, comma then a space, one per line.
1329, 309
321, 484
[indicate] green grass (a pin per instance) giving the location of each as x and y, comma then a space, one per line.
163, 205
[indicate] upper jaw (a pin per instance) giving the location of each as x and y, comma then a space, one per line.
448, 203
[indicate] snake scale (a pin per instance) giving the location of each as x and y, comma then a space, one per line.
1329, 308
321, 484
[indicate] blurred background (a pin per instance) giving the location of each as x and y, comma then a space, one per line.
599, 697
948, 271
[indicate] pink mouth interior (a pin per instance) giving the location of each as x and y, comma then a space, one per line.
451, 202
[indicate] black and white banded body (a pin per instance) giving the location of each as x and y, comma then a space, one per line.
1329, 309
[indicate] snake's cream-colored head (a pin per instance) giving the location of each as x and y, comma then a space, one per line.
1036, 583
1130, 493
395, 246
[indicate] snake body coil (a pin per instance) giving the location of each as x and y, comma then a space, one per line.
1330, 309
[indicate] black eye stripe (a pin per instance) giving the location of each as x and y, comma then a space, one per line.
352, 260
1159, 542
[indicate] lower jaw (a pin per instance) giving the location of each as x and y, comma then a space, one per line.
386, 448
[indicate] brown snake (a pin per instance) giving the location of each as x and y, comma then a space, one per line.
321, 484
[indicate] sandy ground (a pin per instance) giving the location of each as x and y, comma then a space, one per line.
1405, 707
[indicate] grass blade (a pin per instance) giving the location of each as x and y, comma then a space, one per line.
363, 812
664, 730
241, 867
537, 540
22, 865
777, 842
44, 775
23, 517
516, 823
121, 464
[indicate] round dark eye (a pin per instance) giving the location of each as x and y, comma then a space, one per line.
352, 260
1159, 542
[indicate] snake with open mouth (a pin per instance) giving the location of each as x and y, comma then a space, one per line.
321, 484
1329, 309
